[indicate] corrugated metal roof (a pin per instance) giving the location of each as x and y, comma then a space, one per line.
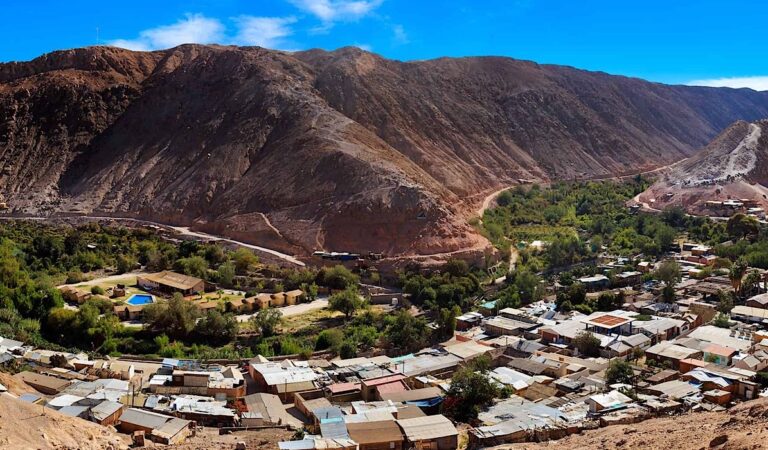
427, 427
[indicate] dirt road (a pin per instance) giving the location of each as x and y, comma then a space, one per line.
293, 310
181, 230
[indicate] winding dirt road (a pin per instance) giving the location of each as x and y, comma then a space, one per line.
184, 231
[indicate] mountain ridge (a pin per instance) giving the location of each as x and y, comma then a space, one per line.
341, 150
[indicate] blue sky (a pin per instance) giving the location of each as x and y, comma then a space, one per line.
705, 41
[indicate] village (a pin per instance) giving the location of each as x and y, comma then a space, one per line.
670, 347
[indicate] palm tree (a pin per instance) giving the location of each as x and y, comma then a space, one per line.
738, 269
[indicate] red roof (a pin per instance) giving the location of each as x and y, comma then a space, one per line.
389, 388
343, 387
384, 380
720, 350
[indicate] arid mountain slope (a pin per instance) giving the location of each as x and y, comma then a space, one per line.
339, 150
733, 166
742, 427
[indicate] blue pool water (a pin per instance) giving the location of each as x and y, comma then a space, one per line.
140, 299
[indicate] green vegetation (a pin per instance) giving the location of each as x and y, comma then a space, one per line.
587, 343
619, 371
471, 390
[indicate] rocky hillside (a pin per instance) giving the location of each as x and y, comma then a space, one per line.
741, 428
733, 166
338, 150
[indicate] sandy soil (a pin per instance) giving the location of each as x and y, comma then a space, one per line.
25, 426
743, 427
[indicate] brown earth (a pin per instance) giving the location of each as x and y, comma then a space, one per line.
733, 166
24, 426
339, 150
741, 428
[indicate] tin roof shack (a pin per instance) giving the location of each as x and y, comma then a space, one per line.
750, 314
378, 435
268, 407
671, 353
284, 382
160, 428
610, 401
595, 283
717, 396
169, 283
758, 301
43, 383
318, 443
518, 420
674, 389
373, 388
438, 364
662, 328
504, 326
719, 354
106, 413
430, 433
428, 398
203, 410
468, 320
330, 420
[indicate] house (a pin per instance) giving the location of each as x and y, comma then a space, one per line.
631, 278
74, 295
283, 381
128, 312
430, 433
749, 314
758, 301
204, 307
595, 283
504, 326
43, 383
469, 320
374, 388
717, 396
268, 408
377, 435
671, 353
425, 398
293, 297
169, 283
317, 443
608, 401
719, 354
661, 328
673, 389
161, 428
106, 412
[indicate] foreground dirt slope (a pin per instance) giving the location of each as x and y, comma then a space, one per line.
340, 150
24, 426
743, 427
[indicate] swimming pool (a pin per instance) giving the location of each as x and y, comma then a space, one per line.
140, 299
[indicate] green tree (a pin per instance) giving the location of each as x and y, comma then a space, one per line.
125, 263
226, 274
336, 277
668, 273
737, 272
329, 339
725, 302
266, 321
619, 371
741, 226
470, 391
587, 344
217, 328
405, 332
347, 301
176, 317
446, 321
244, 260
721, 321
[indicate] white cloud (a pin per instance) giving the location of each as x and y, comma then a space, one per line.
758, 83
330, 11
192, 29
267, 32
366, 47
263, 31
401, 37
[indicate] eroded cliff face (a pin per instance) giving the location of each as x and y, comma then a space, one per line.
339, 150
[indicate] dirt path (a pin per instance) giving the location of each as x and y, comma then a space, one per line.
293, 310
187, 232
490, 199
513, 255
181, 230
